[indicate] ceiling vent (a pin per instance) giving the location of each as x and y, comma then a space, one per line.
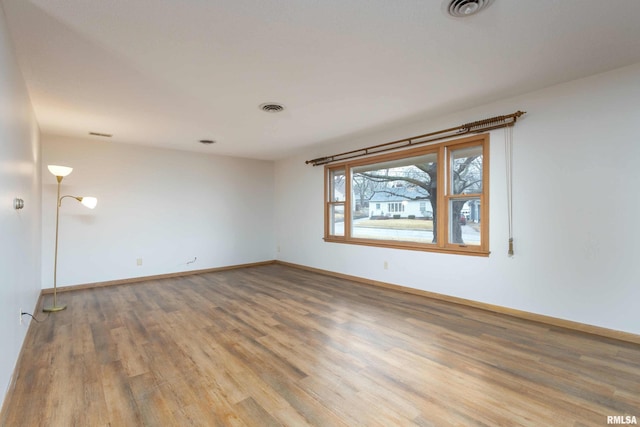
463, 8
271, 107
207, 141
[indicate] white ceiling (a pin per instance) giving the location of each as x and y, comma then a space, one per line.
171, 72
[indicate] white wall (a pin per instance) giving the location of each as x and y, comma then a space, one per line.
576, 204
166, 207
19, 229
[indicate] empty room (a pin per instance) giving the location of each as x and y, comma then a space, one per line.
319, 213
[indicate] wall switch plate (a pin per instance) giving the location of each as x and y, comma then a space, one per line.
139, 262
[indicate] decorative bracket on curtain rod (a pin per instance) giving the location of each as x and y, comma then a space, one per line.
473, 127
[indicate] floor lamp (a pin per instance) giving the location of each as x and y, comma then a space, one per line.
60, 172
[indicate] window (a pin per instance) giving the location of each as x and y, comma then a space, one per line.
431, 198
336, 202
395, 207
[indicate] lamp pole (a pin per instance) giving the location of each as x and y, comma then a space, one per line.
55, 306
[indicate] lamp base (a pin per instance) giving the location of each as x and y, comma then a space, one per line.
54, 308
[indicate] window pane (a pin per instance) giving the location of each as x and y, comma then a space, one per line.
466, 170
464, 227
395, 200
336, 218
407, 228
337, 185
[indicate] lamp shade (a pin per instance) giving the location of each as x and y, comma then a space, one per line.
89, 202
59, 170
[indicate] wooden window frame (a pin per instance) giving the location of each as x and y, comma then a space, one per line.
444, 195
330, 202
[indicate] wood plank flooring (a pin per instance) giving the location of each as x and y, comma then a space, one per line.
273, 345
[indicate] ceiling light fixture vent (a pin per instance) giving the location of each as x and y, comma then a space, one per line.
271, 107
463, 8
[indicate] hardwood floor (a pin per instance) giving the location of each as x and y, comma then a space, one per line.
274, 345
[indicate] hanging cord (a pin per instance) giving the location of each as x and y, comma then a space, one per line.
508, 154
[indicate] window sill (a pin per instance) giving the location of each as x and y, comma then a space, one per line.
462, 250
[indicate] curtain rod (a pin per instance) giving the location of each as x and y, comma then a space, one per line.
492, 123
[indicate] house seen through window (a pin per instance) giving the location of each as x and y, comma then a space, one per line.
432, 198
